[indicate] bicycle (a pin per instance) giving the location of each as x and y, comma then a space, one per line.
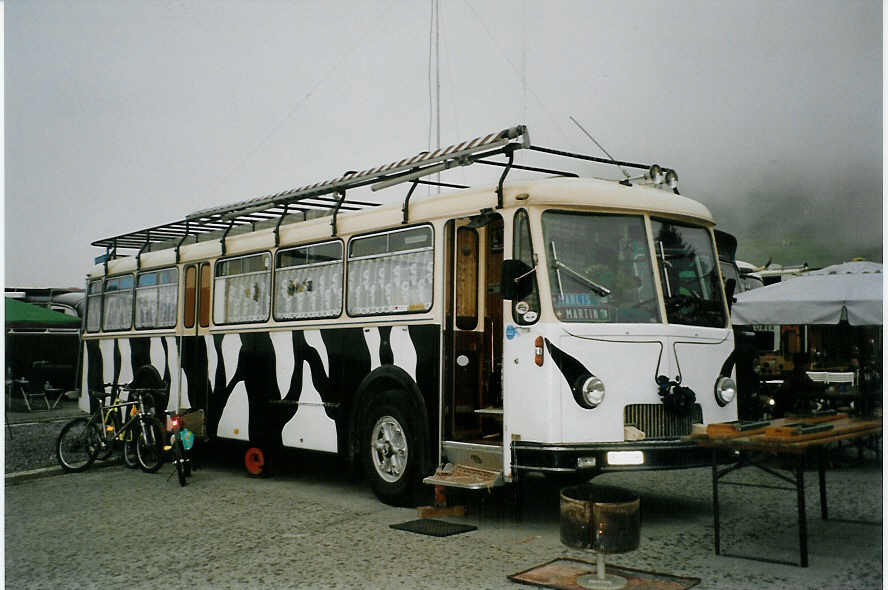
85, 439
181, 441
111, 418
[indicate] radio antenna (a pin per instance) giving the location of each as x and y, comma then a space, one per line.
601, 147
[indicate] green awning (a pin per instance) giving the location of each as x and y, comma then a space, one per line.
23, 315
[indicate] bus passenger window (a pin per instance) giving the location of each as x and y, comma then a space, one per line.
466, 278
242, 289
118, 303
308, 282
391, 272
94, 306
528, 310
190, 295
156, 295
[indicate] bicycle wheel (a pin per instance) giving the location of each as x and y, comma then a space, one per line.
179, 459
149, 444
130, 456
75, 448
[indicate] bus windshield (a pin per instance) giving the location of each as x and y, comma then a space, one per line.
688, 270
599, 268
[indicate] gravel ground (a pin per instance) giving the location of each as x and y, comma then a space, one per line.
31, 436
32, 446
314, 527
676, 532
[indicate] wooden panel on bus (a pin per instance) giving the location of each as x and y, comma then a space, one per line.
466, 278
190, 295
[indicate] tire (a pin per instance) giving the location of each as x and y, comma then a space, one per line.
130, 455
187, 456
75, 447
149, 444
179, 460
392, 449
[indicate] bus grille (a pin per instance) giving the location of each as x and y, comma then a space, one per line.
656, 422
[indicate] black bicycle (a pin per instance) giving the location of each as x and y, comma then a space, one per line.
181, 441
129, 423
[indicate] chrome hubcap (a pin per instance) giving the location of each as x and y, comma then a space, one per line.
388, 449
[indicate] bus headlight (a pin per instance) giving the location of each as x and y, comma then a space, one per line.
625, 458
591, 392
725, 391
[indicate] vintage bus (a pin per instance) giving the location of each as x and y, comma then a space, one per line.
558, 325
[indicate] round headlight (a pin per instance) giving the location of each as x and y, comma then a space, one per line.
593, 391
725, 390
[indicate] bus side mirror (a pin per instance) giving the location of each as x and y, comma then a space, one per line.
517, 280
730, 287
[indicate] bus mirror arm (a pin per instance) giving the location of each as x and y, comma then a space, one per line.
513, 283
730, 287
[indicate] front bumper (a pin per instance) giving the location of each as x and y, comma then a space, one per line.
595, 458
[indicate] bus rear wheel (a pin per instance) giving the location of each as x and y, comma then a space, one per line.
391, 449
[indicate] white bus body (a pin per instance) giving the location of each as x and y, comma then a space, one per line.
392, 343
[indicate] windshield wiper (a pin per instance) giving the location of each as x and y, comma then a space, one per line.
600, 290
665, 273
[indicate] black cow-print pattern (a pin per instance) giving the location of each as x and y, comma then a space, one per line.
288, 388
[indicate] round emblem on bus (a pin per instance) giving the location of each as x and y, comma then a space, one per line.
522, 307
530, 317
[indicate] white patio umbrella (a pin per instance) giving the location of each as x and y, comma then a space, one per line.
817, 297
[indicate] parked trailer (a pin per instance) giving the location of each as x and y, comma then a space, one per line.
564, 325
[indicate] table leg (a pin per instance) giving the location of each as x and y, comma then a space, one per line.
715, 518
803, 521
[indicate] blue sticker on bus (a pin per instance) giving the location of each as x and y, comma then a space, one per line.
511, 331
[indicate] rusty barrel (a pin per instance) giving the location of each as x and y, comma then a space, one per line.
606, 520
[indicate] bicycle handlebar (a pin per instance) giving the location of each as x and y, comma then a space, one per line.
129, 387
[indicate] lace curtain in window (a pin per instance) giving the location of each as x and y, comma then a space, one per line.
393, 283
313, 291
241, 298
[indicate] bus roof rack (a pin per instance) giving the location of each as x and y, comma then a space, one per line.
330, 194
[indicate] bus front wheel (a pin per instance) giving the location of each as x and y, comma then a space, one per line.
391, 449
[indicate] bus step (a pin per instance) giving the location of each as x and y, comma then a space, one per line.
465, 477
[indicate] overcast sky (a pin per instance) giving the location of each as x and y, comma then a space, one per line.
126, 114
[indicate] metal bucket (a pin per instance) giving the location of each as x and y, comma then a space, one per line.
606, 520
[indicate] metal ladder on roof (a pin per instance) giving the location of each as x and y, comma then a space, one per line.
218, 222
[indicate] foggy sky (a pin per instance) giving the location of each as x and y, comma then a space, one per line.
127, 114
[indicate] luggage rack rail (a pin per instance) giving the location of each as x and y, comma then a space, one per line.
330, 195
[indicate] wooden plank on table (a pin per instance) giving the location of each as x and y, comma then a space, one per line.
787, 433
796, 433
724, 430
819, 419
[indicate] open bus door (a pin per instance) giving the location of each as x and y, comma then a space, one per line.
472, 420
